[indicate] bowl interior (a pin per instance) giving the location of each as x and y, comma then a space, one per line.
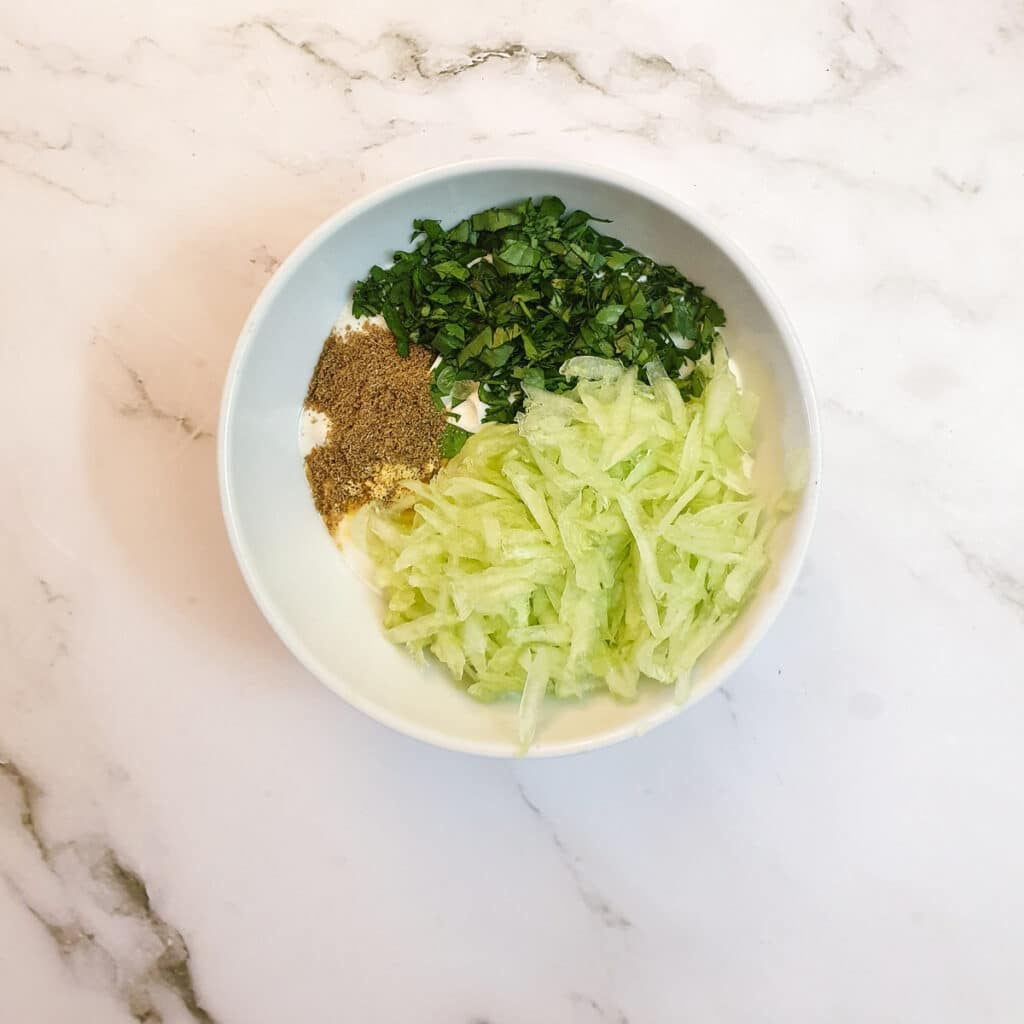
325, 614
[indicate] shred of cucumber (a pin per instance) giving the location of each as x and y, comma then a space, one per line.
610, 535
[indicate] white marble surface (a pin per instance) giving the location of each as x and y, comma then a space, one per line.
193, 830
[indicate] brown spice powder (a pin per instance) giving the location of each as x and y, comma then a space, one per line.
383, 426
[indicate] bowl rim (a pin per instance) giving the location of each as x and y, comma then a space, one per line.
800, 542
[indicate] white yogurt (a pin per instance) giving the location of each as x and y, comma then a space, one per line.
313, 428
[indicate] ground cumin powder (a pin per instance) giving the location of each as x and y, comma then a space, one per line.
383, 425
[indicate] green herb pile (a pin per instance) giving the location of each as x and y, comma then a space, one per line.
506, 296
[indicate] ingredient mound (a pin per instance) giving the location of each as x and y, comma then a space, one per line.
609, 535
507, 295
383, 427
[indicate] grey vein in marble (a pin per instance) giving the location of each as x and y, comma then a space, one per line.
173, 965
478, 55
412, 61
582, 999
125, 894
853, 79
45, 179
50, 595
61, 60
728, 698
916, 287
144, 406
412, 56
647, 130
393, 130
961, 185
58, 629
592, 899
27, 794
68, 938
65, 62
32, 139
1004, 585
305, 47
842, 176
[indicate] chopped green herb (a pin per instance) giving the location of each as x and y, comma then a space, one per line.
453, 437
507, 295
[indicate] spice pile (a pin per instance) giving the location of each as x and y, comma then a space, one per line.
383, 426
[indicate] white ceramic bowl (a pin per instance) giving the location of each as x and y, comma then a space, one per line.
328, 617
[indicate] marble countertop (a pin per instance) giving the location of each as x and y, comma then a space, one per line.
192, 829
